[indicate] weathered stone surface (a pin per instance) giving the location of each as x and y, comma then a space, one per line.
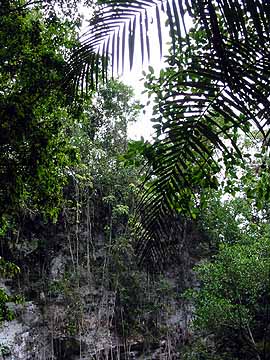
58, 267
24, 338
29, 314
72, 313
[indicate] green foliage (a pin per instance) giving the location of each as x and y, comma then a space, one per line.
202, 349
35, 115
233, 284
219, 219
141, 304
4, 350
68, 291
231, 305
5, 313
137, 152
233, 299
7, 270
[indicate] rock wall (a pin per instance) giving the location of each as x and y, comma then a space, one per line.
70, 312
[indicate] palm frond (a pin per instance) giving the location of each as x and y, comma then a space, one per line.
113, 30
112, 34
200, 107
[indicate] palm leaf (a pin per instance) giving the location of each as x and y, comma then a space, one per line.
115, 24
112, 34
201, 104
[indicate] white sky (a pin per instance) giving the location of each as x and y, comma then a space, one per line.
143, 126
134, 77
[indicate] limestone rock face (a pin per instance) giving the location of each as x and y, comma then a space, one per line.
58, 267
24, 338
71, 310
10, 337
31, 315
